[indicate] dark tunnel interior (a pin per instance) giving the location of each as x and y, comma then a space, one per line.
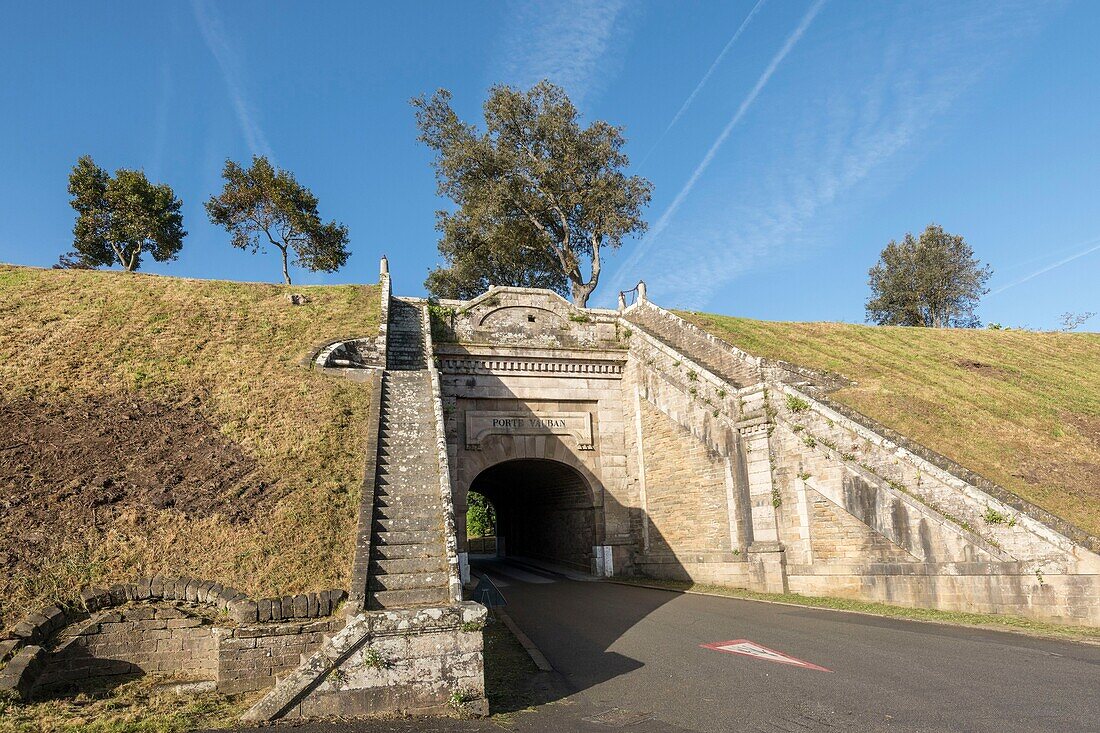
545, 510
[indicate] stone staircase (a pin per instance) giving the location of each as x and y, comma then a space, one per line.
408, 557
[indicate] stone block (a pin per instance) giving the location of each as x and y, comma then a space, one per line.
243, 611
138, 590
188, 622
301, 606
140, 613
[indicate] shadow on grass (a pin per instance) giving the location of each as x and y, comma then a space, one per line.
512, 681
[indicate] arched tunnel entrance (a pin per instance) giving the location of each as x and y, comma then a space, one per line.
545, 510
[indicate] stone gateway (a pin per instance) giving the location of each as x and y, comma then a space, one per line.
614, 442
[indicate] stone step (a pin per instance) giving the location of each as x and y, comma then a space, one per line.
408, 522
407, 510
386, 553
417, 537
389, 495
435, 563
384, 599
405, 502
407, 581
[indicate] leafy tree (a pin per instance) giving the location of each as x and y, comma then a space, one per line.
481, 517
537, 195
121, 218
262, 205
933, 280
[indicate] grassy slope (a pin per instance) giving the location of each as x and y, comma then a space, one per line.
231, 349
1019, 407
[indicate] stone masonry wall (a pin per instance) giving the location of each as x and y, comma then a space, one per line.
136, 639
175, 626
251, 656
686, 498
685, 457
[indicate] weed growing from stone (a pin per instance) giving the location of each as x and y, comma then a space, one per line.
797, 404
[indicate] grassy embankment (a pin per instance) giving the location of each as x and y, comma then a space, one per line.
1021, 408
226, 354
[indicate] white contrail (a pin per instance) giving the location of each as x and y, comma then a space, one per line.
706, 77
662, 222
1090, 247
214, 34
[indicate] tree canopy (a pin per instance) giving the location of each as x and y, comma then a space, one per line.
537, 196
481, 516
933, 280
263, 205
120, 218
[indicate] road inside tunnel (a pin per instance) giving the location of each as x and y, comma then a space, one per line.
545, 510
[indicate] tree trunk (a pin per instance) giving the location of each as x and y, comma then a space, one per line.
582, 291
286, 270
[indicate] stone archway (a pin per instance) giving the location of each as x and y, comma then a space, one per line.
545, 509
550, 485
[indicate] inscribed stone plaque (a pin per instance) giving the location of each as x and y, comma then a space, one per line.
575, 424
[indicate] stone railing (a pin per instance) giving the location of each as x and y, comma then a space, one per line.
450, 535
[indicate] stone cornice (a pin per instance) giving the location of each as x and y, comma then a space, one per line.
506, 365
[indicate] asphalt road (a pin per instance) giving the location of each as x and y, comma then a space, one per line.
631, 658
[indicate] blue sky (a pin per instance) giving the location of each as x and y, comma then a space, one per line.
788, 140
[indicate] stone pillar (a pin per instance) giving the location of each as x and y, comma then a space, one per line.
641, 291
767, 559
384, 266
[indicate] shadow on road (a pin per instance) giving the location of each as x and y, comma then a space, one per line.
512, 680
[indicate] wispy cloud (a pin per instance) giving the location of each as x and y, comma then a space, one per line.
213, 32
788, 191
573, 44
647, 242
1091, 246
706, 77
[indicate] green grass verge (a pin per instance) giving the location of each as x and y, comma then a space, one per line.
959, 618
1021, 408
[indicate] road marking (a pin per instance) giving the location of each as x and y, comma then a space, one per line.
521, 575
747, 648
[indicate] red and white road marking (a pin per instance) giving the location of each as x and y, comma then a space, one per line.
747, 648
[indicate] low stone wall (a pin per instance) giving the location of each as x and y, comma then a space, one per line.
414, 661
249, 657
410, 665
974, 587
136, 639
178, 626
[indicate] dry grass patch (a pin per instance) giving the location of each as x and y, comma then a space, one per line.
290, 440
146, 704
1019, 407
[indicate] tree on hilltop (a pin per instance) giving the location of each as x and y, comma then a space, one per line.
933, 281
120, 218
537, 195
263, 205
